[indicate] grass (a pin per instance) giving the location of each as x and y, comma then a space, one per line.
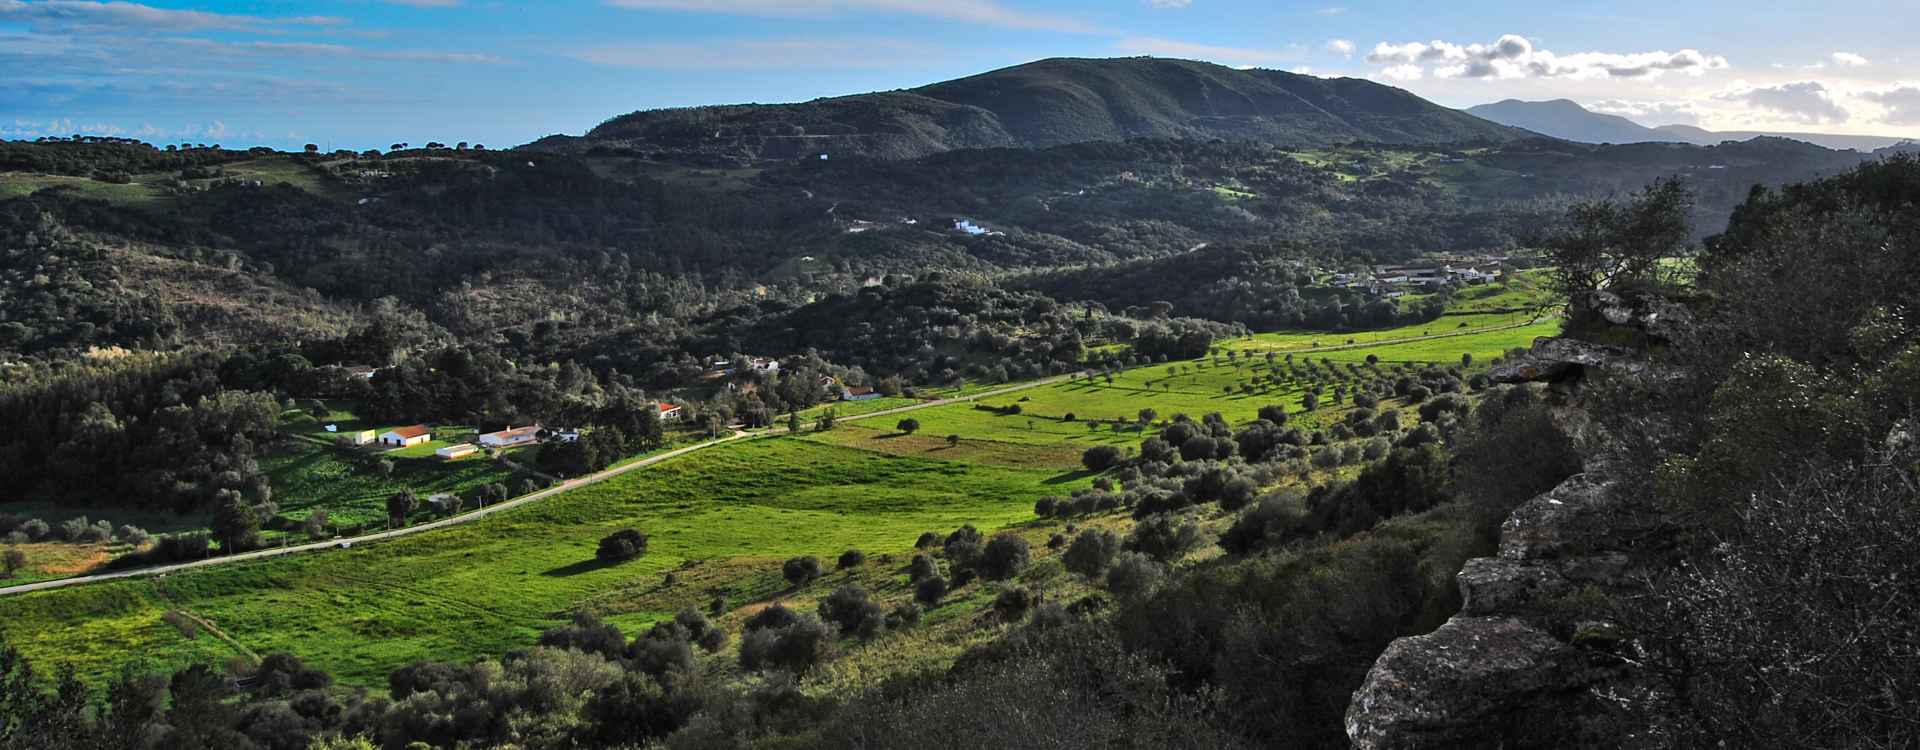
310, 477
136, 194
731, 513
721, 521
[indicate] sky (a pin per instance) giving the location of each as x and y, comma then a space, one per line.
369, 73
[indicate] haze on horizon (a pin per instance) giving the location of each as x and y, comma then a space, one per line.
367, 73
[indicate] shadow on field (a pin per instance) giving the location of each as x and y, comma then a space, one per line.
1069, 476
584, 566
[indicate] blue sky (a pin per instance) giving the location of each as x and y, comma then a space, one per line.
368, 73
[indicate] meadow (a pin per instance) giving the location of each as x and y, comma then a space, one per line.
721, 520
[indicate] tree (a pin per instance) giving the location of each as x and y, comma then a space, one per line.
801, 571
852, 558
1164, 539
235, 523
1133, 575
312, 148
12, 561
1004, 557
1100, 458
953, 441
908, 426
1147, 415
622, 545
400, 505
1091, 552
1606, 242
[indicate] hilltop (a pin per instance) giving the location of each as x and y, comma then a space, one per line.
1054, 102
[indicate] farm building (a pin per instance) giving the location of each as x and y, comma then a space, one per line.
858, 393
358, 437
452, 452
401, 437
512, 437
669, 412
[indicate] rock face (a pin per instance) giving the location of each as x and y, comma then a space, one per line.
1512, 669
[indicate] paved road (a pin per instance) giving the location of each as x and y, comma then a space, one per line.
605, 475
492, 509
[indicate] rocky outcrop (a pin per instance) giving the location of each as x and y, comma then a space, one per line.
1522, 664
1657, 318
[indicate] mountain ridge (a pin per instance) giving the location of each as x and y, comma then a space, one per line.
1568, 120
1052, 102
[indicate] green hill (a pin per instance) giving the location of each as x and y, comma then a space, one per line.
1053, 102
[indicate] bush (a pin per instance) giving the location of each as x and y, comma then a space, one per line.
930, 590
1013, 602
1100, 458
1133, 575
904, 615
622, 545
926, 540
1164, 539
801, 571
1046, 507
853, 611
1004, 557
773, 617
34, 529
852, 558
1092, 552
921, 568
796, 647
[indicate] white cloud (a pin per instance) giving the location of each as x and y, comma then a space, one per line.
318, 49
757, 54
1902, 104
1849, 60
425, 3
985, 12
1403, 72
1236, 56
1649, 113
1514, 56
1330, 11
1341, 47
89, 16
1170, 3
1808, 102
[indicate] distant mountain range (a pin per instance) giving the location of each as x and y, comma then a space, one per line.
1054, 102
1567, 120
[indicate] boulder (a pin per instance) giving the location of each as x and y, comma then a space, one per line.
1555, 359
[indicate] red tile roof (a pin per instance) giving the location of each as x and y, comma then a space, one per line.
411, 431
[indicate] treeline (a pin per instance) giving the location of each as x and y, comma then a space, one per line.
157, 432
105, 156
1259, 285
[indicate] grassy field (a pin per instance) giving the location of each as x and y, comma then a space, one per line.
721, 521
729, 514
310, 477
17, 184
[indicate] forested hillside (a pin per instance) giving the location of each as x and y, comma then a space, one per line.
1050, 103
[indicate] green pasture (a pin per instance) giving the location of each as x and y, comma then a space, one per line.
490, 586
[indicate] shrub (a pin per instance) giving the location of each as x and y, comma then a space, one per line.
1092, 552
801, 571
852, 558
1004, 557
796, 647
930, 590
1133, 575
622, 545
921, 568
904, 615
773, 617
1164, 538
1013, 602
34, 529
926, 540
1046, 507
1100, 458
1056, 541
588, 634
853, 611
